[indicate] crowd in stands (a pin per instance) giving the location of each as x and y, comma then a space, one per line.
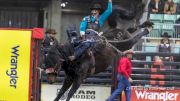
169, 7
163, 7
165, 11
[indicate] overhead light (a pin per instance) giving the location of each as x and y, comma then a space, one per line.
64, 4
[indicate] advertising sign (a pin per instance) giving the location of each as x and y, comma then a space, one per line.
154, 94
84, 93
14, 65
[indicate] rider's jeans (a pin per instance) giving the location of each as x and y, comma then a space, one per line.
80, 49
123, 84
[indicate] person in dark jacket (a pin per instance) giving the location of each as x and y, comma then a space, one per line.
165, 46
124, 76
165, 43
156, 6
49, 40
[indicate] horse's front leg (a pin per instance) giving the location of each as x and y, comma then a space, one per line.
78, 80
75, 86
67, 83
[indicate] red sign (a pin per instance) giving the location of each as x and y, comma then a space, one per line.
154, 94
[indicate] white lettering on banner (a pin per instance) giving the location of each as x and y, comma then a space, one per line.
81, 94
84, 93
12, 73
156, 95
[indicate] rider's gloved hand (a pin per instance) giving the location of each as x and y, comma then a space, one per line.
82, 37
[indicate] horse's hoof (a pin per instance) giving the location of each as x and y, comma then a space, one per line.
56, 100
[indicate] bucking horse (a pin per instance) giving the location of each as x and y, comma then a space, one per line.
123, 33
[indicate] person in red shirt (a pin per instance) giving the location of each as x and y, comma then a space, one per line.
123, 76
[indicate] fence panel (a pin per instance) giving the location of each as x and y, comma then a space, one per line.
18, 18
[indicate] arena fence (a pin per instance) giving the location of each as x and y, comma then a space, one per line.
103, 78
139, 72
147, 78
143, 74
19, 17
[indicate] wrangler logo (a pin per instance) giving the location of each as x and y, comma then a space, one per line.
156, 96
12, 73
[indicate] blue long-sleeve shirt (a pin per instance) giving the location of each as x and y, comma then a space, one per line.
102, 19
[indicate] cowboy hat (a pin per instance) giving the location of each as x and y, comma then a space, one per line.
52, 31
130, 51
97, 6
165, 34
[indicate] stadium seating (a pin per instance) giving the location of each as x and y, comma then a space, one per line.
156, 18
177, 49
156, 32
169, 28
176, 1
149, 47
169, 18
163, 23
178, 16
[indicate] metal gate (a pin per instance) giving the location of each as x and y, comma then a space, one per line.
19, 17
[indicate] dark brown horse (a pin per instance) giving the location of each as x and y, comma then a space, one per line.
77, 70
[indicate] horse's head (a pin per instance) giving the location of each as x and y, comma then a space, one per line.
53, 62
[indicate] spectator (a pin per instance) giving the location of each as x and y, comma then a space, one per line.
50, 39
165, 43
169, 7
156, 6
47, 43
165, 47
158, 63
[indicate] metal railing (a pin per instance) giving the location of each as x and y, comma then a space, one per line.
103, 78
151, 44
159, 28
152, 76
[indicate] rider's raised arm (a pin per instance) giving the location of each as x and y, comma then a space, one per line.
106, 14
83, 26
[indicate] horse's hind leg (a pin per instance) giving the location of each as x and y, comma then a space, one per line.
67, 83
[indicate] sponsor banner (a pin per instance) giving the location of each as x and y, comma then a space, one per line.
14, 65
154, 94
84, 93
